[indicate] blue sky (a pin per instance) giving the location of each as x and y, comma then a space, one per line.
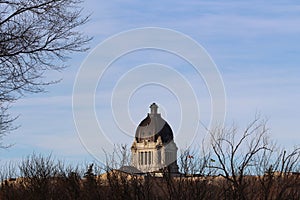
254, 44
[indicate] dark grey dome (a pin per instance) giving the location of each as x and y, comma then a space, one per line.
152, 127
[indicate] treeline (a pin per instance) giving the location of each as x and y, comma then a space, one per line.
43, 178
235, 165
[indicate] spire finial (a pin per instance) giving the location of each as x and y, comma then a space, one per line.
153, 108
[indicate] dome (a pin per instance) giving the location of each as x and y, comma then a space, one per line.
152, 127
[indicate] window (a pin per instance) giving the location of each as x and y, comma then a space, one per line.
145, 157
142, 158
149, 157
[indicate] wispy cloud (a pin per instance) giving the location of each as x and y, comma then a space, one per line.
254, 43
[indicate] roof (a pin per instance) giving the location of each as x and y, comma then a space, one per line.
130, 170
152, 127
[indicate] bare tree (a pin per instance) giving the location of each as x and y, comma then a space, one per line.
235, 153
195, 162
281, 177
118, 158
5, 124
35, 37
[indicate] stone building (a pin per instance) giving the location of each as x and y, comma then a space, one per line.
154, 149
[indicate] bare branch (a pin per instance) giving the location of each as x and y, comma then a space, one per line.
36, 37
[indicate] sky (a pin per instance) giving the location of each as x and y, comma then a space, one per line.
254, 46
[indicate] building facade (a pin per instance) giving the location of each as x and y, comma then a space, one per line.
154, 149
